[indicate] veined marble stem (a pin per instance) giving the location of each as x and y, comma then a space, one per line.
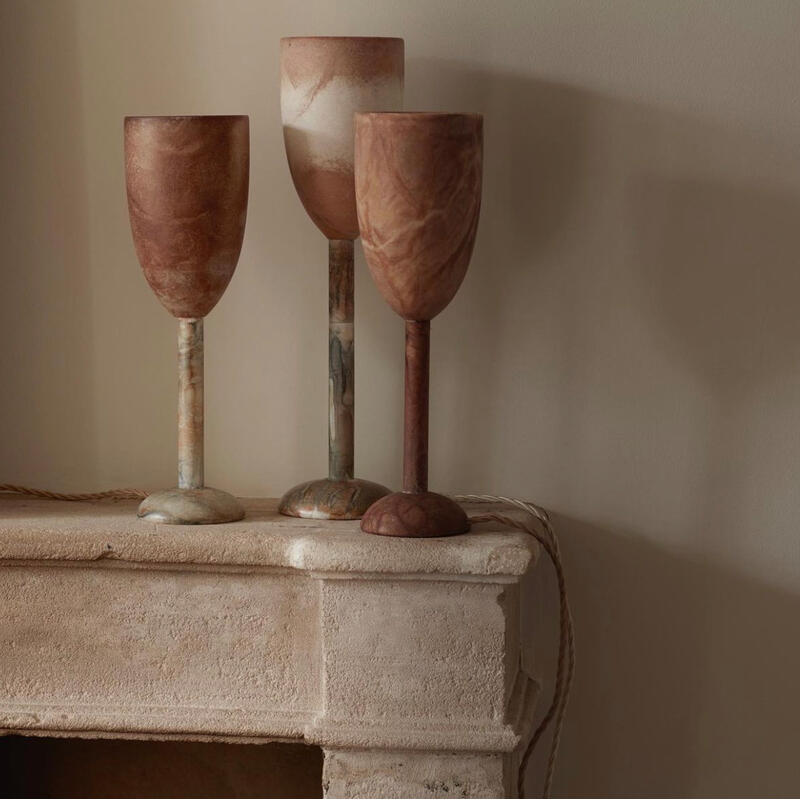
190, 403
341, 360
415, 438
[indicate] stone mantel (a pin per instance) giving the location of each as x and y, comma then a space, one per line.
400, 658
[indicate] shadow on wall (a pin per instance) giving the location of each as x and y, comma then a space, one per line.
716, 267
641, 246
687, 682
534, 145
44, 324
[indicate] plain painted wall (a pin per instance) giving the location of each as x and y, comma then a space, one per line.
625, 349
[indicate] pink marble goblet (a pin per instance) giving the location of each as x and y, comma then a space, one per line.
187, 182
324, 80
418, 193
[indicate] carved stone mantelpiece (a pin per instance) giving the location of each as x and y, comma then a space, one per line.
400, 658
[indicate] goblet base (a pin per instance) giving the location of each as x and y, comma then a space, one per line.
415, 514
327, 498
204, 506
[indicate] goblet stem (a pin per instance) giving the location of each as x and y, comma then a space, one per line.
340, 495
190, 404
415, 511
192, 503
415, 440
341, 360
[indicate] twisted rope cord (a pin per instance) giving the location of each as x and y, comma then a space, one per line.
546, 537
115, 494
565, 667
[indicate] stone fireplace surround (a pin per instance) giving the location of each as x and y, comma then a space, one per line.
399, 658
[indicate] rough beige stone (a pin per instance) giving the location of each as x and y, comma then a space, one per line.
457, 629
48, 530
399, 773
270, 628
159, 650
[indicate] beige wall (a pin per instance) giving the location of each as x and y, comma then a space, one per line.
624, 350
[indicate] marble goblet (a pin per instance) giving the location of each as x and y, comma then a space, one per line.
187, 182
418, 193
324, 80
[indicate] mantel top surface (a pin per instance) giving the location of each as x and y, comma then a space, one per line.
33, 529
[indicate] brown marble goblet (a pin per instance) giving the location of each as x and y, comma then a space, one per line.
324, 80
418, 193
187, 181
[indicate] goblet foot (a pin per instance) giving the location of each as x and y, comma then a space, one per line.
415, 514
204, 506
327, 498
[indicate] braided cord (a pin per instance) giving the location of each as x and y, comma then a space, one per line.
115, 494
541, 528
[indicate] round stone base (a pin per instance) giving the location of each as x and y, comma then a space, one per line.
420, 515
204, 506
330, 499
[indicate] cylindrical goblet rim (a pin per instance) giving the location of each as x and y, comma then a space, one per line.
188, 116
344, 38
419, 114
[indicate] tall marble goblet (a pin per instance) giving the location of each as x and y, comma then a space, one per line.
187, 181
324, 80
418, 192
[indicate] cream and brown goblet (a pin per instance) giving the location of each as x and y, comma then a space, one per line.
418, 193
324, 81
187, 181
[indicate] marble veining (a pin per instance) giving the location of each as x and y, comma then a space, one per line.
324, 81
418, 185
187, 182
418, 193
191, 438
